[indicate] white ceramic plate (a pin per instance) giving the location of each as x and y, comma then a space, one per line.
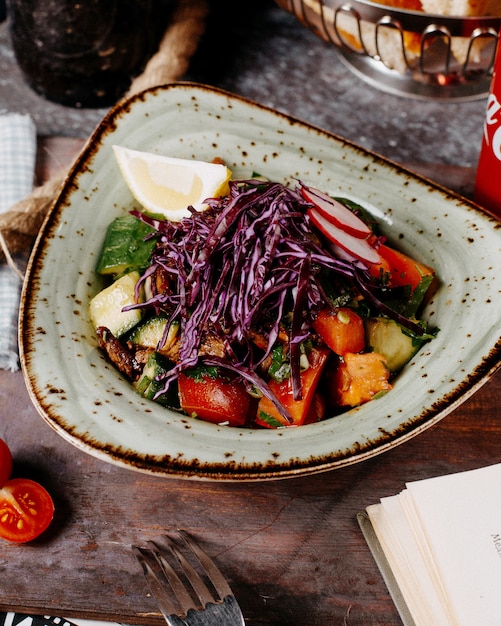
89, 403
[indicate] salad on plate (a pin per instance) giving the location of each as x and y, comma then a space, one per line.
252, 303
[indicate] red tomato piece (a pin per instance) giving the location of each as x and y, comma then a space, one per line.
342, 330
215, 400
403, 269
5, 462
300, 410
316, 412
26, 510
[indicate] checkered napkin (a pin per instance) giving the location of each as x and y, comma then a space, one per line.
17, 167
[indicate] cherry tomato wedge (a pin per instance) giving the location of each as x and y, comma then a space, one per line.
268, 415
26, 510
5, 462
403, 269
214, 399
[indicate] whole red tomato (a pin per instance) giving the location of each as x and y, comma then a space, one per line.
5, 462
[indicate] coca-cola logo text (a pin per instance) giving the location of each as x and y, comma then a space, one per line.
492, 126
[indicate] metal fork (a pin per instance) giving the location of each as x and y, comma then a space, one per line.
180, 591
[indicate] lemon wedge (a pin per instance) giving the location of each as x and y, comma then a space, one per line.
168, 185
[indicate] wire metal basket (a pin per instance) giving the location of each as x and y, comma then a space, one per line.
408, 53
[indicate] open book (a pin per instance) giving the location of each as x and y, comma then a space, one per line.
438, 546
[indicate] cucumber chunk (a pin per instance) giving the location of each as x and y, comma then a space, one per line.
148, 386
390, 339
105, 308
124, 247
149, 334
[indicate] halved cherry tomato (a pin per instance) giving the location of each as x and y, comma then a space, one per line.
343, 330
5, 462
214, 399
26, 510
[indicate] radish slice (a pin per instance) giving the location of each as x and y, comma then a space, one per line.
359, 248
342, 254
336, 212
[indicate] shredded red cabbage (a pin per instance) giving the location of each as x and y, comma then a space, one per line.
251, 262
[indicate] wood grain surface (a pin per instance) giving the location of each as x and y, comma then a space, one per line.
292, 550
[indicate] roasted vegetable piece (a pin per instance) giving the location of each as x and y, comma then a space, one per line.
360, 377
341, 329
268, 414
124, 358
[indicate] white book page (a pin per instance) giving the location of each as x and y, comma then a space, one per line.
460, 515
426, 554
406, 561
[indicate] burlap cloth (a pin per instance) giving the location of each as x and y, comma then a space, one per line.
19, 225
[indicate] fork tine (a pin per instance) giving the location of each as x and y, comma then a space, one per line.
153, 573
215, 576
182, 595
193, 577
159, 572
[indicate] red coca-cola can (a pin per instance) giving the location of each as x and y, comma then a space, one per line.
488, 181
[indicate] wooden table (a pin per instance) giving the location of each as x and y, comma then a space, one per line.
291, 550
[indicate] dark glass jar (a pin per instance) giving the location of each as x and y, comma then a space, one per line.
81, 53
